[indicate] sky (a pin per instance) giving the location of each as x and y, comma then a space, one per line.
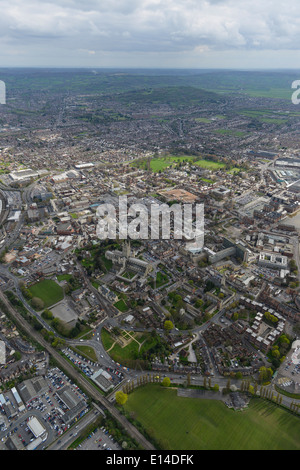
238, 34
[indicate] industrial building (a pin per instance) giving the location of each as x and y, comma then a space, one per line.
32, 388
103, 380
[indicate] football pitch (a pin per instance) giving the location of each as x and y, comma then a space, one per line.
179, 423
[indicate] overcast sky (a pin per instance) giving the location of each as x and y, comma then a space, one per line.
150, 33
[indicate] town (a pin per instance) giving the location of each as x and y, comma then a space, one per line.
84, 318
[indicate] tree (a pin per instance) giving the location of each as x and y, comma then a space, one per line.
121, 397
47, 314
275, 353
283, 339
166, 382
168, 325
265, 374
37, 303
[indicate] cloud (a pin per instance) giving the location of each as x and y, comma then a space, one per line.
147, 26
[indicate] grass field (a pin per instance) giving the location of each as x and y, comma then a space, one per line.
64, 277
230, 132
195, 424
160, 164
203, 120
210, 165
121, 305
48, 291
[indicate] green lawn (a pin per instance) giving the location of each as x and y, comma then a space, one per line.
230, 132
48, 291
195, 424
106, 339
118, 353
203, 120
233, 170
64, 277
129, 352
210, 165
160, 164
121, 305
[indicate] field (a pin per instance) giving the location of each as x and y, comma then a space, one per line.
203, 120
160, 164
48, 291
195, 424
210, 165
121, 305
230, 132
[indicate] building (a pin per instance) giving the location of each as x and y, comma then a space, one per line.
18, 399
272, 260
236, 249
32, 388
123, 260
74, 403
83, 166
103, 380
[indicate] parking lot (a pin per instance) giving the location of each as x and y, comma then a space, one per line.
289, 374
89, 367
99, 440
47, 407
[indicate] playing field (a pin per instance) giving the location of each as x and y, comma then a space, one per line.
48, 291
210, 165
195, 424
158, 164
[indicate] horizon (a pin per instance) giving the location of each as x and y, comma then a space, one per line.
88, 67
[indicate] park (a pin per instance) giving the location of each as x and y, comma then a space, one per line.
180, 423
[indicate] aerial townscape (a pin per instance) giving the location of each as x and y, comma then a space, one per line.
149, 230
149, 343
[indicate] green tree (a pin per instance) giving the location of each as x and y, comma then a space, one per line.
276, 353
166, 382
121, 397
265, 374
168, 325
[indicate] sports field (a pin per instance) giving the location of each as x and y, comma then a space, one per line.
210, 165
48, 291
158, 164
195, 424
